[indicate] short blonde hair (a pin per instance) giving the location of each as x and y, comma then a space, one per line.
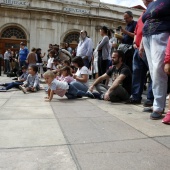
49, 74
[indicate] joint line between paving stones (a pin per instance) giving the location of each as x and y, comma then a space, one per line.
69, 146
152, 138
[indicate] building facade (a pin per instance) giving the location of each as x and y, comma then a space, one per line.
42, 22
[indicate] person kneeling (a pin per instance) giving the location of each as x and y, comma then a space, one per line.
62, 88
120, 90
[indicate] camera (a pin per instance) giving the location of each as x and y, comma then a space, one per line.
119, 28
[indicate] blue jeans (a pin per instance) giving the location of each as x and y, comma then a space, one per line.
79, 86
7, 66
140, 68
22, 63
73, 92
12, 85
155, 46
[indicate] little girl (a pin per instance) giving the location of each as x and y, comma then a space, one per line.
32, 82
62, 88
50, 64
66, 75
166, 119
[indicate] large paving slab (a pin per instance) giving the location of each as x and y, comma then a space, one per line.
143, 154
78, 111
133, 115
46, 158
26, 102
3, 101
95, 129
26, 113
164, 140
30, 133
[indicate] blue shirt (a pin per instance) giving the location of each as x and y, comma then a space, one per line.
130, 28
23, 54
156, 19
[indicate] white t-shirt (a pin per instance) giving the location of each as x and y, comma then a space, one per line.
50, 62
83, 70
59, 87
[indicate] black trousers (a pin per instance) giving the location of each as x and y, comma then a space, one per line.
129, 59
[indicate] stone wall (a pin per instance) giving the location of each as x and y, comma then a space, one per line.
47, 22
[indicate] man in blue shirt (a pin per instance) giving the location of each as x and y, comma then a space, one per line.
23, 54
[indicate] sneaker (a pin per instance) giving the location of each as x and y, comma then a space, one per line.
3, 90
148, 103
166, 119
90, 95
133, 101
97, 95
2, 84
23, 89
156, 115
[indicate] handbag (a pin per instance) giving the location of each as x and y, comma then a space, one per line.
125, 47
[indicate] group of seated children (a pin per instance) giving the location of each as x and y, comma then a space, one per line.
61, 81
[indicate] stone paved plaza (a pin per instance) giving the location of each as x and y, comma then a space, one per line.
81, 134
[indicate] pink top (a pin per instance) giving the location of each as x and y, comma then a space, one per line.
67, 79
167, 53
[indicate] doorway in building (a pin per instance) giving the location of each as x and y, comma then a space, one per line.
10, 38
73, 39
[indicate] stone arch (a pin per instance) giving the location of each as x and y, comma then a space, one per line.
71, 37
14, 26
11, 35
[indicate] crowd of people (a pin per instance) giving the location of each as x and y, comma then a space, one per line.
125, 57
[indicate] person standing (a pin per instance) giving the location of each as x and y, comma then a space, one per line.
32, 57
23, 54
104, 51
39, 61
156, 32
128, 37
7, 56
68, 48
85, 48
140, 67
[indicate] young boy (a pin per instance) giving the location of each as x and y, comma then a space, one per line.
62, 88
32, 82
15, 84
166, 119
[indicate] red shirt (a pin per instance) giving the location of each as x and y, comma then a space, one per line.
138, 31
167, 53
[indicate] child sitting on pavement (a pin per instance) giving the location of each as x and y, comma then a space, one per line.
32, 82
61, 88
66, 75
15, 84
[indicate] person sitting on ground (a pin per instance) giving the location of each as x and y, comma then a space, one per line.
81, 76
62, 88
166, 119
66, 75
120, 89
15, 84
32, 82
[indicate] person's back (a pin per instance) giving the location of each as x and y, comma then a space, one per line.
31, 59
